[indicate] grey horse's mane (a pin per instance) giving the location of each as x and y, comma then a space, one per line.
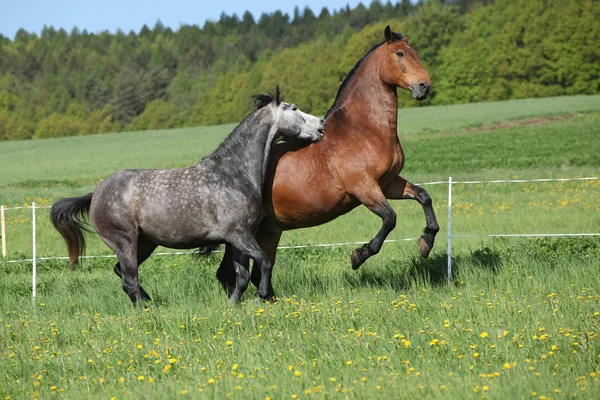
260, 101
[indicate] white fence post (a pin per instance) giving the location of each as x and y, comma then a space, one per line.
3, 232
34, 254
449, 229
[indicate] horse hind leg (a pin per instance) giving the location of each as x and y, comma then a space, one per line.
126, 250
401, 189
144, 250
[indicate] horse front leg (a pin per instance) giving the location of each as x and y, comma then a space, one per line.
268, 237
245, 246
372, 197
401, 189
226, 273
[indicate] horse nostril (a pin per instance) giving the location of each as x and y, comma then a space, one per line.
422, 86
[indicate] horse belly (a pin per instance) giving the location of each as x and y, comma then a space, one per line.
298, 205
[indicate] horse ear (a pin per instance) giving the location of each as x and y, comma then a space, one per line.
405, 39
277, 96
388, 34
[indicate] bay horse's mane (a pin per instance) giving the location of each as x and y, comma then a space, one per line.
344, 85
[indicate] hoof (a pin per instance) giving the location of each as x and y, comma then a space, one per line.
358, 257
425, 246
234, 299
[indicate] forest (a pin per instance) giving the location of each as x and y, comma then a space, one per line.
62, 83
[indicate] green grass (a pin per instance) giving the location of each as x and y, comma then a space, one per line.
521, 319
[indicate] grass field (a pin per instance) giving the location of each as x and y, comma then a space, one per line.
520, 320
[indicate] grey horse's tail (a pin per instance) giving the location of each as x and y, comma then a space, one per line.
69, 217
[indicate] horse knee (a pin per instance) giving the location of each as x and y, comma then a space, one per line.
389, 219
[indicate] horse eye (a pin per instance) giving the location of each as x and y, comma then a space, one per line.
400, 54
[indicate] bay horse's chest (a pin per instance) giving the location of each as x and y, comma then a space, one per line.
384, 159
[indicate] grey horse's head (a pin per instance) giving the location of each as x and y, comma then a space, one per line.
290, 122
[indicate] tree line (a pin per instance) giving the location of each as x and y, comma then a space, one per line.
62, 84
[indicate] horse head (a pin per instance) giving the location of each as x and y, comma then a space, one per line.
400, 66
290, 122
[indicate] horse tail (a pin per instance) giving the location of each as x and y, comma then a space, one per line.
69, 217
206, 250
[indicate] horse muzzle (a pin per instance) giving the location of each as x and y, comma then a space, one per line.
421, 90
320, 130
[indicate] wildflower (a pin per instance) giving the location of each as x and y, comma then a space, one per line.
349, 362
484, 335
141, 378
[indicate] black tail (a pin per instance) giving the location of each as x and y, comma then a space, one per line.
206, 250
69, 217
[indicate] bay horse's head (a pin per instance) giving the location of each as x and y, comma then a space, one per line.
400, 65
290, 122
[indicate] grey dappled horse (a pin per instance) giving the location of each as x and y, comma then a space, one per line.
218, 200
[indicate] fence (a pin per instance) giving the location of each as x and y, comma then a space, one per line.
449, 236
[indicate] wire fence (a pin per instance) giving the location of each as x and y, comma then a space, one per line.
449, 235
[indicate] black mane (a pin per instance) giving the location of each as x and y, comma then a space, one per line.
261, 100
349, 78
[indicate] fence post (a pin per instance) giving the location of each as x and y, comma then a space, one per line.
449, 229
3, 231
34, 254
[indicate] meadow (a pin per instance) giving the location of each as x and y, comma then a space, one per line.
519, 320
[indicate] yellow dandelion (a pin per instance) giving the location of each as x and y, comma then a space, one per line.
349, 362
141, 378
484, 335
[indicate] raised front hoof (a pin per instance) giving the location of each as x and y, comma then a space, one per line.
425, 245
359, 256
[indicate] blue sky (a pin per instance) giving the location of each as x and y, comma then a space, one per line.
96, 16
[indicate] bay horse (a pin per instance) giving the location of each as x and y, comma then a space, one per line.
218, 200
357, 162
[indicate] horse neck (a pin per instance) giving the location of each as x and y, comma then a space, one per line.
247, 148
368, 97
